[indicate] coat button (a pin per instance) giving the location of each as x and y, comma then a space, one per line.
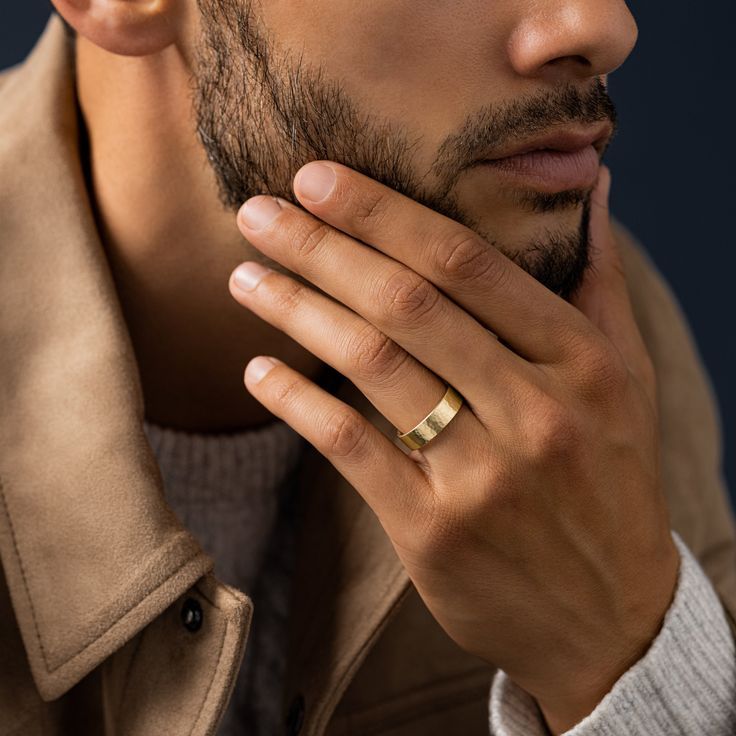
295, 716
192, 615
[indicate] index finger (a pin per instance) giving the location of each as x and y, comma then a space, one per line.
527, 316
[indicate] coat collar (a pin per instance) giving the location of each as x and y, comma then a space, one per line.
91, 550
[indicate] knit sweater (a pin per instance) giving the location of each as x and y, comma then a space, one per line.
233, 493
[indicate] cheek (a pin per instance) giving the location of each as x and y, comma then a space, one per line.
425, 65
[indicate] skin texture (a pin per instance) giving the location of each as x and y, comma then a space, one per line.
136, 61
263, 110
546, 551
553, 530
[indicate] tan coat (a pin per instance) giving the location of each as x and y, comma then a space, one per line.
96, 566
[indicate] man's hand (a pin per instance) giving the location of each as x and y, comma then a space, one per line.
534, 527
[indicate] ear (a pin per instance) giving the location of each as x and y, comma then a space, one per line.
125, 27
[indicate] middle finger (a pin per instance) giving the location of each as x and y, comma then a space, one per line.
535, 323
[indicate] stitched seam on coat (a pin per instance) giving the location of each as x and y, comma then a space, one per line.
16, 551
219, 657
34, 618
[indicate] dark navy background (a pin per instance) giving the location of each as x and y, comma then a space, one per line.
674, 163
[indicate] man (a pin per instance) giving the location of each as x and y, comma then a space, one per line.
422, 210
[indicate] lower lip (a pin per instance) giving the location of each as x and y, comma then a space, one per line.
551, 171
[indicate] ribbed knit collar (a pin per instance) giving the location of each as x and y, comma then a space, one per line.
216, 468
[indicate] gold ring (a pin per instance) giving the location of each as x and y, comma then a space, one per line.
434, 422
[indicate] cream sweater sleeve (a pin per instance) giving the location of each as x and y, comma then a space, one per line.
684, 685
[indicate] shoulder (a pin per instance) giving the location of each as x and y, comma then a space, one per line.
689, 422
685, 393
681, 373
659, 315
651, 296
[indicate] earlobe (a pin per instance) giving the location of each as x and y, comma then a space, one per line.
124, 27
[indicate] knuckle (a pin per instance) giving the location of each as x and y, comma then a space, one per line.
370, 209
574, 342
604, 372
465, 257
310, 237
408, 297
288, 297
287, 393
555, 432
376, 355
345, 434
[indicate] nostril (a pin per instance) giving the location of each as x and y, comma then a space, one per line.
571, 39
577, 59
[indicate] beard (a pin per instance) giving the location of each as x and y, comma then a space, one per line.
262, 114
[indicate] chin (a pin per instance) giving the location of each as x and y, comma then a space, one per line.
514, 229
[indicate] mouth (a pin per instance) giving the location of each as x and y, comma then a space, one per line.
562, 160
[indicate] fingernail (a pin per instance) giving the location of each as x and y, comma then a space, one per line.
315, 182
259, 367
248, 275
260, 211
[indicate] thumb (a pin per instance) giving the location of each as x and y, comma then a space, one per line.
603, 295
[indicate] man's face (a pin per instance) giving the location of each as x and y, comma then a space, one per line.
429, 97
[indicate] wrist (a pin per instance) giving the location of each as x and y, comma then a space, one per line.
578, 690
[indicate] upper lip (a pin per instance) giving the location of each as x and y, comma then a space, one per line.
563, 139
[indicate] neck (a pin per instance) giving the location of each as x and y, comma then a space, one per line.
171, 244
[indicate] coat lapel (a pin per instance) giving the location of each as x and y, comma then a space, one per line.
91, 551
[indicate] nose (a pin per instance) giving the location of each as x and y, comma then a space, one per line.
568, 39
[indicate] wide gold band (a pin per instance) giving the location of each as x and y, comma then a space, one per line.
434, 422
